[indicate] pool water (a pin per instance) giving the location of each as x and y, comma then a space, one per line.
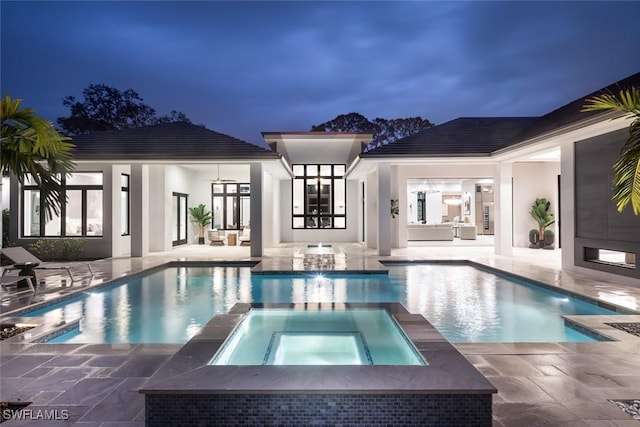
465, 304
317, 337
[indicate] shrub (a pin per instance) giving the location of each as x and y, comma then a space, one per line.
45, 249
72, 249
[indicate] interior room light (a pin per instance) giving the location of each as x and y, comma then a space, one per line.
457, 202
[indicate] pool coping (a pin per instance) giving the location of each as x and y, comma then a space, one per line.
447, 371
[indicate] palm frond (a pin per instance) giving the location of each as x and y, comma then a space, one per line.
626, 180
31, 147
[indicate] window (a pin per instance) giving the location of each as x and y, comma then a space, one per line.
125, 205
80, 216
231, 205
319, 196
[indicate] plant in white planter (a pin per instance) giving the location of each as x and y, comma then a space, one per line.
202, 217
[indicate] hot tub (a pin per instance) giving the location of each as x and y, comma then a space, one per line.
318, 337
354, 382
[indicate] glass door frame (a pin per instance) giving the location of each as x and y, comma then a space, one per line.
181, 223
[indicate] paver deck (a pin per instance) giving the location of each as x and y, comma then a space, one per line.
544, 384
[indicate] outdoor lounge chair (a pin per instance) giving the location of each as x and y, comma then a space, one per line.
216, 237
23, 259
8, 281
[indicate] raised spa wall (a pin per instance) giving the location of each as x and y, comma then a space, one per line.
447, 391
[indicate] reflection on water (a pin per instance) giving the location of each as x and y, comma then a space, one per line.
465, 304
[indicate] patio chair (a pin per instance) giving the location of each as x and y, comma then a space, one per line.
24, 261
244, 237
216, 237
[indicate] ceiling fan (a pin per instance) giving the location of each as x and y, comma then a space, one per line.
220, 181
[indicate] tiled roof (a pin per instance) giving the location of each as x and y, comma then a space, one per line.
169, 141
482, 136
460, 137
571, 113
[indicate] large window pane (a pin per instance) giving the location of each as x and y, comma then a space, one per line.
73, 219
339, 196
298, 197
183, 218
298, 170
232, 208
31, 219
125, 206
218, 212
318, 196
174, 218
179, 214
53, 226
82, 213
94, 212
85, 178
245, 212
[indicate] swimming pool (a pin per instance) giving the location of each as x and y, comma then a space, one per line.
464, 303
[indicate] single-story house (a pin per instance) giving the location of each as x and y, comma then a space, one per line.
130, 193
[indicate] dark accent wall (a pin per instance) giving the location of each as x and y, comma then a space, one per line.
598, 223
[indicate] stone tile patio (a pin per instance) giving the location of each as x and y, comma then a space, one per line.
544, 384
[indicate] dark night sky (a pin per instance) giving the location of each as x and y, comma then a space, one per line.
242, 68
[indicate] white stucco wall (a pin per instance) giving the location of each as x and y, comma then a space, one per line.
271, 211
530, 181
371, 207
182, 180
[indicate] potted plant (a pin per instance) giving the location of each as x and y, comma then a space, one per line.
202, 217
534, 239
548, 239
540, 213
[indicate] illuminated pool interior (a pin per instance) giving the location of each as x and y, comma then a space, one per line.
334, 373
317, 337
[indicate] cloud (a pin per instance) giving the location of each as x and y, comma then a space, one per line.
244, 67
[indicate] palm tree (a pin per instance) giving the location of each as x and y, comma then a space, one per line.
626, 180
31, 147
202, 217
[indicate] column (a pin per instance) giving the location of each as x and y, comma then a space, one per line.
503, 209
567, 200
255, 177
139, 210
384, 209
